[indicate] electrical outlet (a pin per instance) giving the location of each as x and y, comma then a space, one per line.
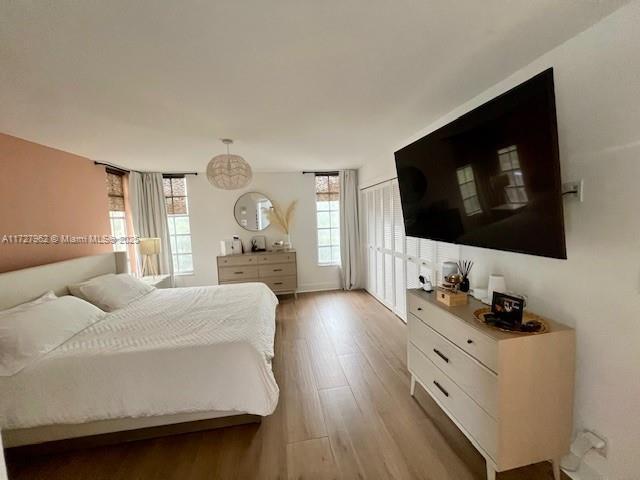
574, 190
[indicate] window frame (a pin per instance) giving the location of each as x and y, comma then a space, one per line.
117, 215
331, 228
171, 221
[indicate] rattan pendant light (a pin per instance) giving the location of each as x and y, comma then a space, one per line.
229, 172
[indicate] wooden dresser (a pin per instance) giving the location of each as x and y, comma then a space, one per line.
510, 394
278, 270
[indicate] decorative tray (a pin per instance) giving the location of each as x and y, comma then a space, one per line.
528, 317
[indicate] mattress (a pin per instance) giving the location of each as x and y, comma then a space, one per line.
173, 351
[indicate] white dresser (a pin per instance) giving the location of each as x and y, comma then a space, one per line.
510, 394
278, 270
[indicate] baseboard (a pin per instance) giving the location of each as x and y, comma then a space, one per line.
319, 287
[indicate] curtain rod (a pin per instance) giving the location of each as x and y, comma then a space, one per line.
128, 170
330, 172
379, 183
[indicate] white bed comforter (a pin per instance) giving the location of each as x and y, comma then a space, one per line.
173, 351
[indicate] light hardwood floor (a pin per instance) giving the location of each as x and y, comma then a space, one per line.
344, 412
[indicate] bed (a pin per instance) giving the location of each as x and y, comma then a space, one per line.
172, 356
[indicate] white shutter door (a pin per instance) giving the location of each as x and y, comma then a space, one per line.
389, 291
377, 196
412, 248
371, 239
427, 251
401, 288
398, 221
379, 274
371, 218
371, 270
387, 218
379, 230
387, 225
413, 271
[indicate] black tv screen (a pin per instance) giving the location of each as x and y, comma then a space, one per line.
491, 178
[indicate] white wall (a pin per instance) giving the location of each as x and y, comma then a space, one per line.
597, 290
211, 216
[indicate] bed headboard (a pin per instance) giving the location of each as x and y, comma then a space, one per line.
23, 285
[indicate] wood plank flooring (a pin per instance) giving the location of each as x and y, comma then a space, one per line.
344, 413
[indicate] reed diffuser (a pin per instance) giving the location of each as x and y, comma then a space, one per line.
464, 267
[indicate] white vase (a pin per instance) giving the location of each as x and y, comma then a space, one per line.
496, 284
287, 242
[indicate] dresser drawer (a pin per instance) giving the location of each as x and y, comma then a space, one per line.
233, 260
477, 381
238, 273
276, 258
478, 424
281, 284
277, 270
477, 344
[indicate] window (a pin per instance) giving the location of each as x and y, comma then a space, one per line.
468, 191
328, 218
117, 214
510, 164
175, 196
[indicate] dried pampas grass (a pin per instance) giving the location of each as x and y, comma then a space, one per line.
280, 218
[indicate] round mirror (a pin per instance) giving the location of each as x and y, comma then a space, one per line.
251, 211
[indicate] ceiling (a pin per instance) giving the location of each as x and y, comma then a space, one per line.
299, 84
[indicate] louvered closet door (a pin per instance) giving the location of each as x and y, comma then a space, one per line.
427, 259
371, 238
413, 262
400, 282
379, 230
387, 222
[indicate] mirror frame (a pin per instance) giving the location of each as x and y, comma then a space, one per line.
236, 204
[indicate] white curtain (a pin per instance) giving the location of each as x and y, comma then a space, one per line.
149, 215
349, 230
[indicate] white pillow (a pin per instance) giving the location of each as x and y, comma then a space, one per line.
112, 292
30, 332
74, 289
45, 297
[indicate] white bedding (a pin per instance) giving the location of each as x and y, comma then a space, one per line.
172, 351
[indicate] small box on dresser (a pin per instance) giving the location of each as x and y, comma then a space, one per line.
510, 394
277, 270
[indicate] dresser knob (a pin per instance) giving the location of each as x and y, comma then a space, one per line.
419, 309
469, 341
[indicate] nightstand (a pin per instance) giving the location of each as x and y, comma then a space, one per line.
158, 281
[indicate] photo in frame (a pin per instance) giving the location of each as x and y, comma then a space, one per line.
259, 243
507, 308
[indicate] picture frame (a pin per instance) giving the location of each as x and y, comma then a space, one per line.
259, 243
507, 308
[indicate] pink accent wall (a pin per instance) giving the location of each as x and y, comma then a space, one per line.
48, 191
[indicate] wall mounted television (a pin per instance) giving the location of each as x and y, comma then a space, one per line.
490, 178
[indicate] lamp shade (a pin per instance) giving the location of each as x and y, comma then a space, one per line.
149, 246
229, 172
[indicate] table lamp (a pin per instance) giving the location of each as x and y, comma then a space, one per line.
149, 248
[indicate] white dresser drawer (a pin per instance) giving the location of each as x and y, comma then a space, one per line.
237, 273
277, 270
280, 284
233, 260
478, 424
472, 341
277, 258
480, 383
